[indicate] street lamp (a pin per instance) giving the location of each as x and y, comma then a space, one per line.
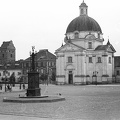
95, 75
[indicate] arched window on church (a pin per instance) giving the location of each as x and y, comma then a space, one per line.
81, 11
110, 60
89, 45
98, 35
69, 59
99, 60
76, 35
90, 59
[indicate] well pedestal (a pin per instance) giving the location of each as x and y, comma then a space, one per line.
33, 84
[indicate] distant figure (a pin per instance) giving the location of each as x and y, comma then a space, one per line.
60, 94
8, 87
0, 86
23, 86
20, 85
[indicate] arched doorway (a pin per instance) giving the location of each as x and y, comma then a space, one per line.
70, 77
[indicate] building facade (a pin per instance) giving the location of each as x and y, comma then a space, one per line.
83, 58
8, 64
7, 52
117, 68
10, 69
45, 64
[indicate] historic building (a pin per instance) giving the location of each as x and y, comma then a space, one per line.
83, 58
117, 68
8, 64
45, 64
7, 52
11, 69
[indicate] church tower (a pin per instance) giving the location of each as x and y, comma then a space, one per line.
83, 9
7, 51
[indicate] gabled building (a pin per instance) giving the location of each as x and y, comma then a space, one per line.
84, 58
45, 64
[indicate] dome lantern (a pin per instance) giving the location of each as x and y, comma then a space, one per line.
83, 22
83, 8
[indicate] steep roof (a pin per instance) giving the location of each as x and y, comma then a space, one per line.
7, 44
107, 47
101, 47
43, 54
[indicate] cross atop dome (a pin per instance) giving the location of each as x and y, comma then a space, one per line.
83, 8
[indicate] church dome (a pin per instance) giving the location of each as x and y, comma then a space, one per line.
83, 23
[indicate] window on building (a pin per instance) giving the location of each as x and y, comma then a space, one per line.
49, 63
117, 72
50, 71
76, 35
41, 64
53, 63
90, 59
3, 55
99, 60
110, 60
36, 64
81, 11
98, 35
3, 73
69, 59
89, 45
45, 63
41, 70
86, 11
11, 55
27, 65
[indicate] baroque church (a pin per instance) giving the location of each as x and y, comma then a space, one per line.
84, 58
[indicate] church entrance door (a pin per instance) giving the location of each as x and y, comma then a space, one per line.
70, 77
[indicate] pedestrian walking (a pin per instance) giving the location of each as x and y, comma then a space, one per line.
23, 86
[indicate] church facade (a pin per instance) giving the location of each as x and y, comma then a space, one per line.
84, 58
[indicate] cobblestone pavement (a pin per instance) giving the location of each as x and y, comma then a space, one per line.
82, 103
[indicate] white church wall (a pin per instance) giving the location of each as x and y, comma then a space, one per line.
60, 75
79, 42
97, 43
83, 34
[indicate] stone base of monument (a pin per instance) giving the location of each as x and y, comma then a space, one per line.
33, 92
34, 99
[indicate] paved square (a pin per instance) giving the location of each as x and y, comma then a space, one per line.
101, 102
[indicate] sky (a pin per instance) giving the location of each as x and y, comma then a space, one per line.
43, 23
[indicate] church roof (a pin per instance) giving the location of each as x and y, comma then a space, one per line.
83, 23
78, 46
83, 4
69, 46
101, 47
107, 47
43, 54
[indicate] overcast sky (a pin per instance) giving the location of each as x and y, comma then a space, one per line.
43, 23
